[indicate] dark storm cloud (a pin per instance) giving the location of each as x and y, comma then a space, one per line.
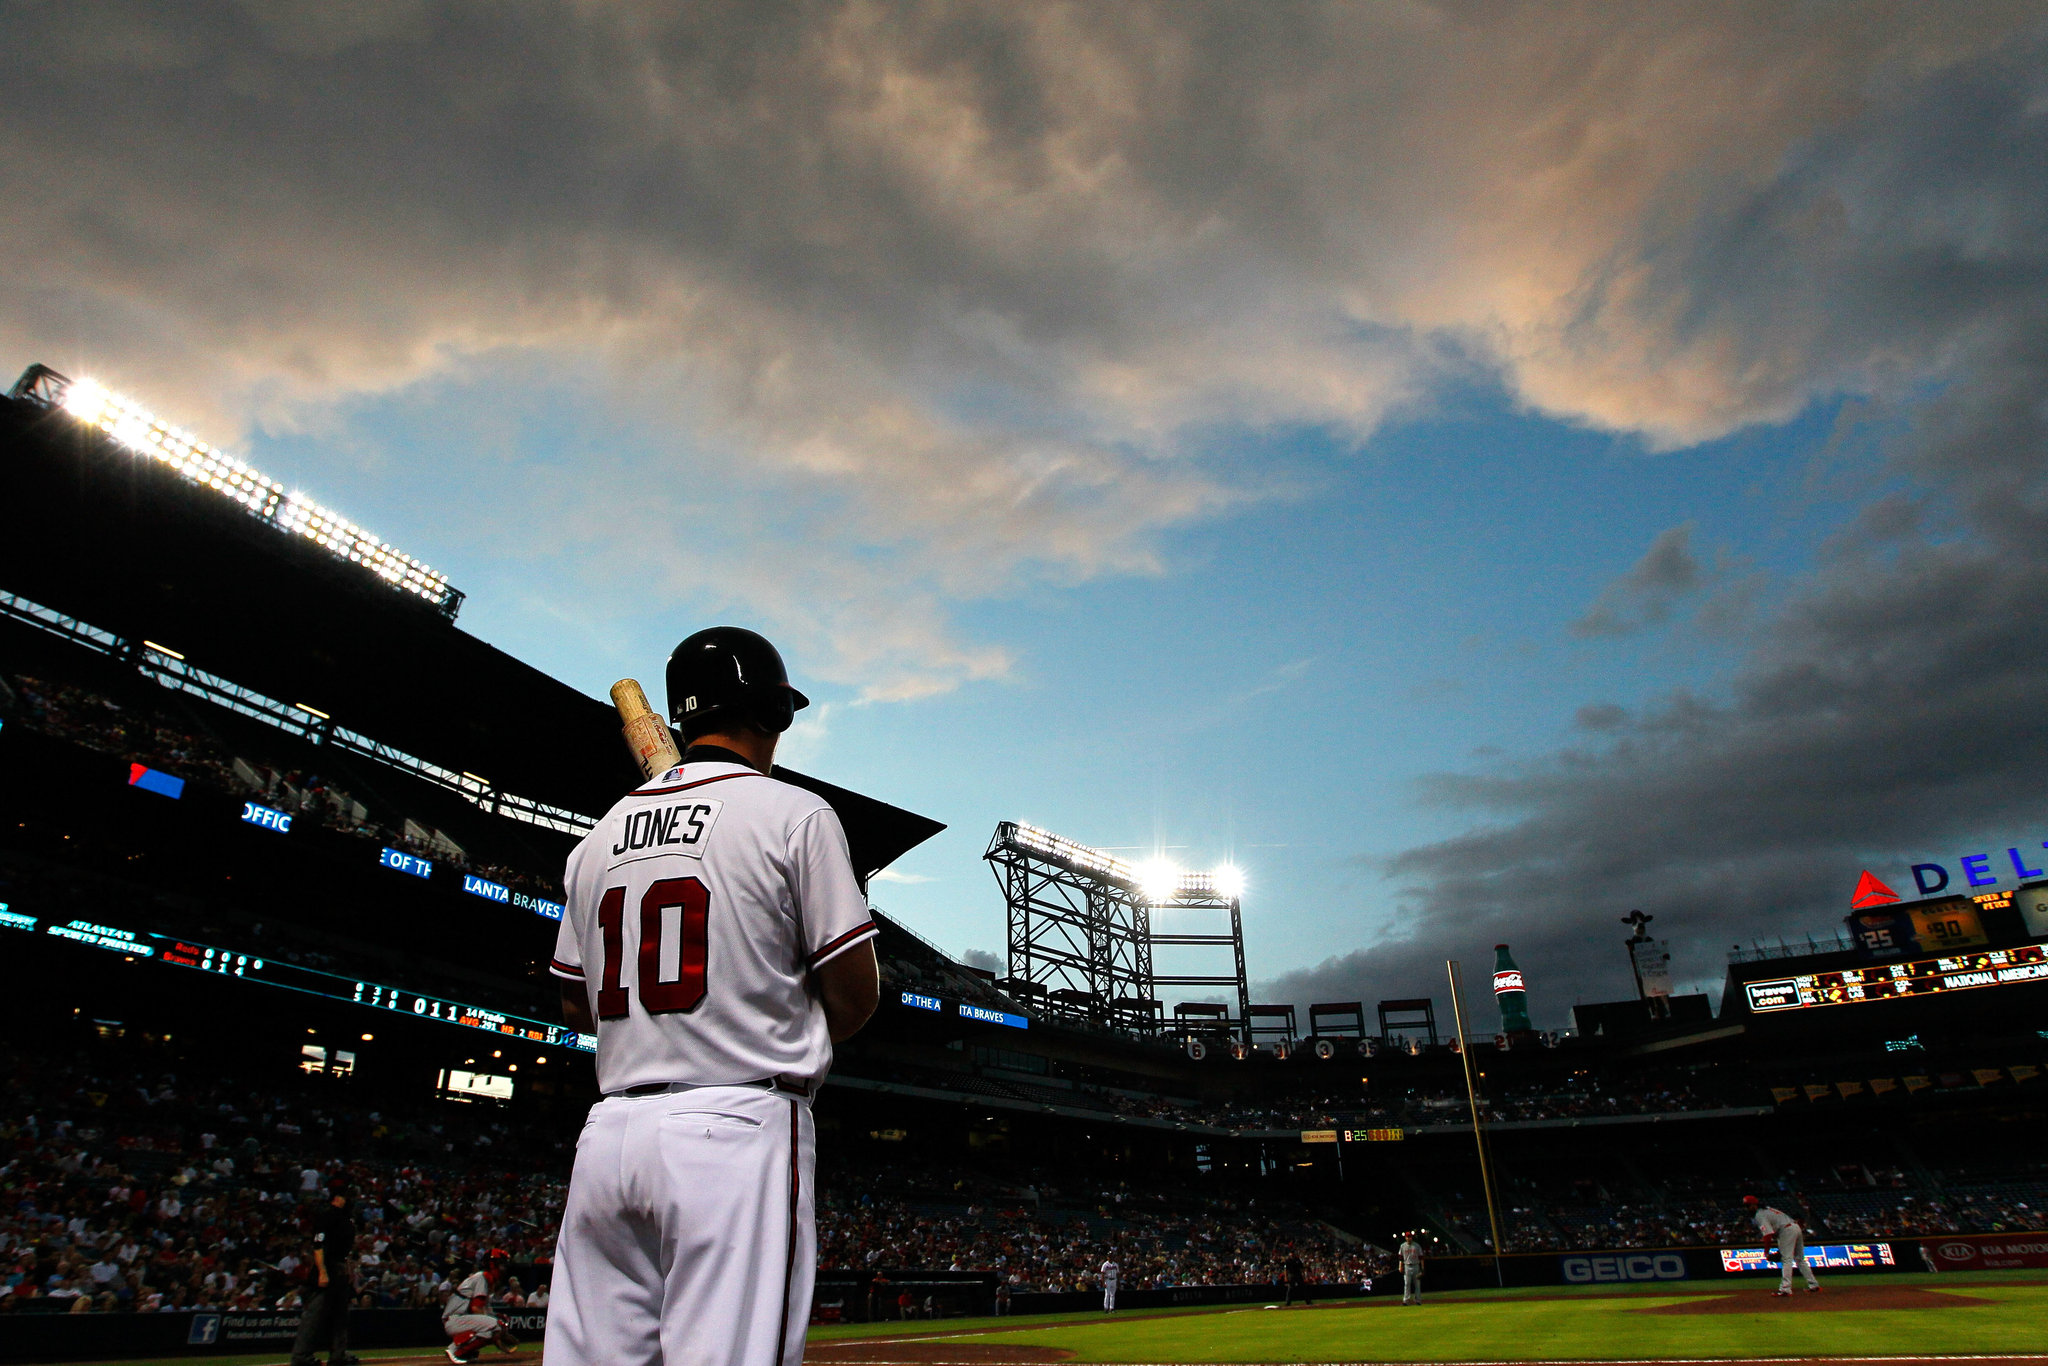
1896, 707
939, 294
1645, 595
944, 286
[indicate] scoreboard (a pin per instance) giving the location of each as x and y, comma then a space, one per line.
1892, 981
193, 956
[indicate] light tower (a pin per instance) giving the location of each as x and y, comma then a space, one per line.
1081, 931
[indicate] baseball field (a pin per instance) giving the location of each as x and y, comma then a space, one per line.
1989, 1316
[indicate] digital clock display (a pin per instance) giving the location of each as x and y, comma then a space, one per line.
1890, 981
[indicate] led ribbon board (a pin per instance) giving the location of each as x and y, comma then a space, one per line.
1817, 1254
986, 1016
189, 954
1922, 977
259, 495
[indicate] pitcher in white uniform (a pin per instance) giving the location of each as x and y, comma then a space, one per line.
1791, 1239
717, 943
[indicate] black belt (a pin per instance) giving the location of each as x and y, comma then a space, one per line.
786, 1085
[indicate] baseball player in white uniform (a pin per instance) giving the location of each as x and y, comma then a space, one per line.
1110, 1272
467, 1316
717, 943
1791, 1239
1410, 1253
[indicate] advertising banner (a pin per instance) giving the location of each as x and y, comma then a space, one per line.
2032, 900
1994, 1252
1884, 932
1942, 927
1653, 965
1626, 1266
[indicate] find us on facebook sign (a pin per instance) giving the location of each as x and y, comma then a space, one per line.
1980, 870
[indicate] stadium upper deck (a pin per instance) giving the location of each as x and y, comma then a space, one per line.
109, 543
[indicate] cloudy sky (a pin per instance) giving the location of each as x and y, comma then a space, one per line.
1481, 468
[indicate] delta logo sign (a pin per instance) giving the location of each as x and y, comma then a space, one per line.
1931, 879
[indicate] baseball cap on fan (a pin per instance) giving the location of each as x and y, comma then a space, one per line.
726, 674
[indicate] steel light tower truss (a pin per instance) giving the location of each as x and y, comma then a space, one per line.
1081, 935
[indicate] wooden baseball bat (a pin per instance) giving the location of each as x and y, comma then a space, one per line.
647, 735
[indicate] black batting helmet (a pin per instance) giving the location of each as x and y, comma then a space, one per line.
729, 674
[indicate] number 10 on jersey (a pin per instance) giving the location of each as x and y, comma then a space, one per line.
690, 900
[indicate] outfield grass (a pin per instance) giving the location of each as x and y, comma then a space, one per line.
1556, 1325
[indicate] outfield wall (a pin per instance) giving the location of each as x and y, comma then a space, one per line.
1638, 1265
29, 1336
38, 1337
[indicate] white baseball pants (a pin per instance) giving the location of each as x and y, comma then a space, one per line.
688, 1238
1108, 1297
464, 1329
1791, 1250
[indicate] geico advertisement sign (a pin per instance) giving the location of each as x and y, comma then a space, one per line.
1640, 1266
1992, 1254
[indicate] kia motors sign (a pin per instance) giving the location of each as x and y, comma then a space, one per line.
1994, 1252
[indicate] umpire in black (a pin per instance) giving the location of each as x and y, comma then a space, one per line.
324, 1320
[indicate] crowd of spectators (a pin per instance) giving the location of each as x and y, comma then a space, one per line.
158, 741
1830, 1215
1580, 1098
130, 1187
1415, 1108
1041, 1237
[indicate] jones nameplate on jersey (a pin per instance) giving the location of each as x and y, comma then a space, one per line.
672, 828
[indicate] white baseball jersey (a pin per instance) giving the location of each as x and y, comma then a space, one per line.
697, 909
1773, 1222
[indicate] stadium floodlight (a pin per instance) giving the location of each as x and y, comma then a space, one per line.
312, 711
1076, 856
134, 427
1158, 880
164, 650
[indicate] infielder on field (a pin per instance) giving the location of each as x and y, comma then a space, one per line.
1791, 1239
717, 943
1410, 1253
1110, 1272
